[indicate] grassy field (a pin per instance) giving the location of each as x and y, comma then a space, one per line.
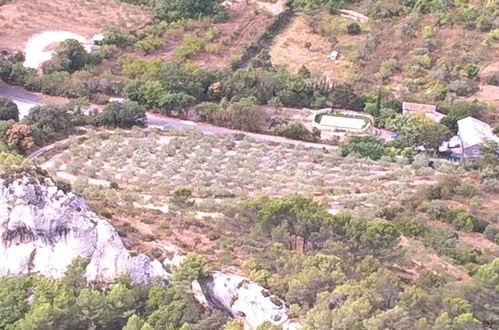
21, 19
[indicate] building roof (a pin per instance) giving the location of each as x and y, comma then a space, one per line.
473, 131
408, 106
429, 110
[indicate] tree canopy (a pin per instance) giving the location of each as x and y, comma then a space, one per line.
8, 109
69, 56
122, 114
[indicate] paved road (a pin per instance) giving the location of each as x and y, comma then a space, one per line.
24, 101
153, 120
17, 94
161, 121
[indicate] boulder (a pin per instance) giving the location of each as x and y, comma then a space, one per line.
244, 298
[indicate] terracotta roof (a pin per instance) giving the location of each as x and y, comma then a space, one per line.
407, 106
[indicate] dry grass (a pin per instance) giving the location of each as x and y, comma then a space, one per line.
453, 44
24, 18
289, 48
488, 93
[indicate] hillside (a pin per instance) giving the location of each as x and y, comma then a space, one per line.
428, 54
263, 165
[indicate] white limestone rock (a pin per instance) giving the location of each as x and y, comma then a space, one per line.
42, 229
246, 299
173, 257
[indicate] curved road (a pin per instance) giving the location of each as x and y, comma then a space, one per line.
21, 96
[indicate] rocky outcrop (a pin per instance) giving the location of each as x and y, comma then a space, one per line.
245, 299
42, 229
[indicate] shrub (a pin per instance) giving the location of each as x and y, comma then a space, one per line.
211, 34
461, 87
366, 146
19, 137
353, 29
466, 16
148, 238
190, 46
69, 56
117, 36
388, 68
467, 190
122, 114
297, 131
8, 109
471, 70
425, 61
156, 253
410, 226
436, 209
343, 95
491, 185
148, 44
491, 232
465, 222
485, 22
493, 79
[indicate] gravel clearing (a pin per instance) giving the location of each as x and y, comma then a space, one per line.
36, 47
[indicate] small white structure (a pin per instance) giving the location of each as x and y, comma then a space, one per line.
356, 16
117, 99
429, 110
97, 38
333, 56
473, 133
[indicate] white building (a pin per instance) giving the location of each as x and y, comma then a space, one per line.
473, 133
